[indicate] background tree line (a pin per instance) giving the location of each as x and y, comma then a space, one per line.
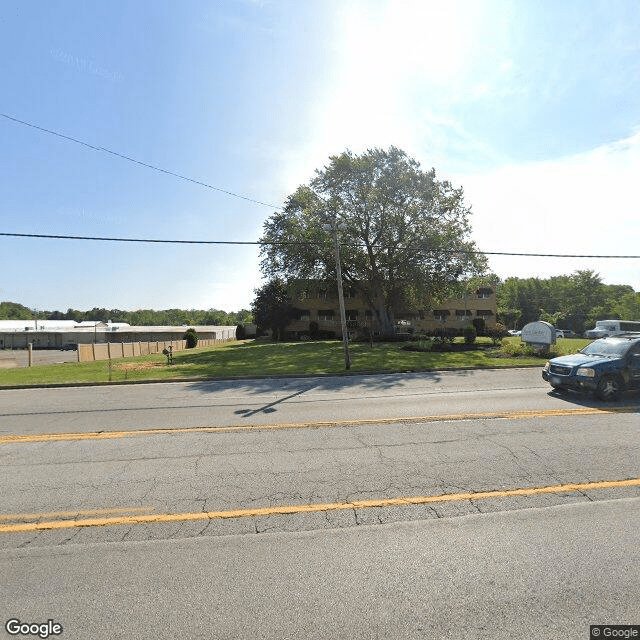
141, 317
573, 301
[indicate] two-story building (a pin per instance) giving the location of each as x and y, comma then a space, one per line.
318, 302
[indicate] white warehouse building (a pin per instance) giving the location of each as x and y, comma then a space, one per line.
56, 334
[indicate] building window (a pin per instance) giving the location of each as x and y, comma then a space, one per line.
351, 314
484, 313
441, 315
461, 313
484, 294
304, 314
325, 315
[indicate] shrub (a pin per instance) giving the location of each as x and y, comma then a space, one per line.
479, 325
512, 348
519, 349
241, 333
425, 346
470, 334
313, 329
191, 337
497, 333
443, 335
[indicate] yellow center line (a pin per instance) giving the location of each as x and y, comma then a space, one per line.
491, 415
313, 508
17, 517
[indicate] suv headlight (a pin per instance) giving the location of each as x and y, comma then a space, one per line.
546, 366
587, 372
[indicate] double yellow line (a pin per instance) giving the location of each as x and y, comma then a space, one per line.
129, 520
491, 415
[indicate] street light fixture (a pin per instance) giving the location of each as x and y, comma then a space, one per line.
343, 316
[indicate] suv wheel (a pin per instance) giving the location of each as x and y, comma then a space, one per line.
609, 388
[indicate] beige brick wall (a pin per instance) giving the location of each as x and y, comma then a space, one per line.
478, 304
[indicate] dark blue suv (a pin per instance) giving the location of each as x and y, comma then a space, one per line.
605, 367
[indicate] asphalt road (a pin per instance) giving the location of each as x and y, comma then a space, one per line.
278, 400
543, 574
458, 504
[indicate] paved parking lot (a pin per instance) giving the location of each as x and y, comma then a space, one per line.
20, 357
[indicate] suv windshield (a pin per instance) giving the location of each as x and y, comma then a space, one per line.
606, 327
606, 348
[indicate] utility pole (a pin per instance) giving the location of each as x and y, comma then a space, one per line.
343, 316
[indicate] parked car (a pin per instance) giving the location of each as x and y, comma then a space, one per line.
513, 332
606, 367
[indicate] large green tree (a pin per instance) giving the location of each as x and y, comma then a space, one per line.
404, 235
272, 308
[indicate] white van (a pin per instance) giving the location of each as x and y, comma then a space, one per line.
606, 328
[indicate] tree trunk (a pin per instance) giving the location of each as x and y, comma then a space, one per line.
376, 300
385, 320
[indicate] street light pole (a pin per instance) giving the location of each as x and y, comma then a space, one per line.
343, 316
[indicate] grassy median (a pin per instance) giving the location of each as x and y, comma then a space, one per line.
260, 358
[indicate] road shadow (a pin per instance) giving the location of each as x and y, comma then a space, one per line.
293, 387
629, 400
270, 407
358, 386
328, 382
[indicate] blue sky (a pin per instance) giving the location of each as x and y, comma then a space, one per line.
532, 107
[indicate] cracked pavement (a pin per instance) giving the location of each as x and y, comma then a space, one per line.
200, 472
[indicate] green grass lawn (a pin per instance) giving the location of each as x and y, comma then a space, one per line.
258, 358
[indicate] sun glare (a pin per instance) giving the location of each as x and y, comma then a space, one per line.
386, 55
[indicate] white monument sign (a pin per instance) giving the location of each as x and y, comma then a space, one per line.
539, 334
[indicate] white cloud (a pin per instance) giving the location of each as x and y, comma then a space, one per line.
582, 204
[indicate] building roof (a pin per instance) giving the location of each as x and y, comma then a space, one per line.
62, 326
58, 325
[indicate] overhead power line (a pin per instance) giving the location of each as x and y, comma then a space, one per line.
144, 164
149, 240
283, 243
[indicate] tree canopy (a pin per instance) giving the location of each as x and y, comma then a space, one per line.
404, 235
573, 301
272, 307
14, 311
141, 317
